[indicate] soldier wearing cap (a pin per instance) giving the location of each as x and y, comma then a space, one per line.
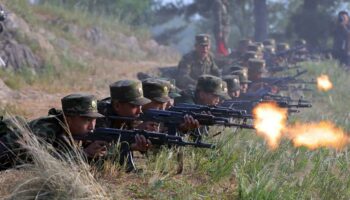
209, 90
233, 86
77, 118
282, 47
243, 79
126, 100
269, 42
196, 63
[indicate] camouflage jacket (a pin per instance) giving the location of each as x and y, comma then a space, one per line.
49, 129
105, 108
191, 67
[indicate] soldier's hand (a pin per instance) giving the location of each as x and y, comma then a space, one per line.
96, 149
189, 123
141, 144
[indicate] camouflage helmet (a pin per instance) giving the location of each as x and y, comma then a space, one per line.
211, 84
155, 90
128, 91
256, 65
282, 47
202, 39
233, 83
84, 105
269, 42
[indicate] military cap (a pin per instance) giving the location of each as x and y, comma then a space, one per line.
232, 82
243, 76
129, 91
84, 105
250, 54
257, 65
300, 42
269, 42
269, 49
254, 47
244, 42
282, 46
260, 44
173, 90
155, 90
211, 84
202, 39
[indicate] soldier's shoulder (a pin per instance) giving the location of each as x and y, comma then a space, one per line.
48, 126
187, 96
189, 56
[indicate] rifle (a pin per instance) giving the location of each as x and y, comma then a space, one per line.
115, 135
281, 80
289, 51
275, 69
127, 137
172, 119
217, 111
249, 105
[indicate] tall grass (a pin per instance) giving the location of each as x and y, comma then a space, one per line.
54, 176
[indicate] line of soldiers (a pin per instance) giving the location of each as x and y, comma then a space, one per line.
251, 59
151, 113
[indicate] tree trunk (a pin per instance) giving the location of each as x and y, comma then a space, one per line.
260, 15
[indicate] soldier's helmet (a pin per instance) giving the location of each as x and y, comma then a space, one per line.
128, 91
282, 47
211, 84
269, 42
233, 83
84, 105
202, 39
155, 90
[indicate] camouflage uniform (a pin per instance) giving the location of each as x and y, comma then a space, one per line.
191, 66
206, 83
122, 91
53, 129
126, 91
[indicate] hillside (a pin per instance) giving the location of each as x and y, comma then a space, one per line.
51, 51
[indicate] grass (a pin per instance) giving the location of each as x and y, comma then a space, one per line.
242, 167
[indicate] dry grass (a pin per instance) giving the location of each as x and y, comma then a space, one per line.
52, 175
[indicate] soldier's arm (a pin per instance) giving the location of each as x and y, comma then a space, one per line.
183, 77
215, 69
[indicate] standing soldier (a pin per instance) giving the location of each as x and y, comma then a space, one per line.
196, 63
221, 26
341, 44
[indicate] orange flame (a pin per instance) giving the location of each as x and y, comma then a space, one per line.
315, 135
270, 121
323, 83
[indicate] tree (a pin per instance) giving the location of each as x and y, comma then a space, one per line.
260, 15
